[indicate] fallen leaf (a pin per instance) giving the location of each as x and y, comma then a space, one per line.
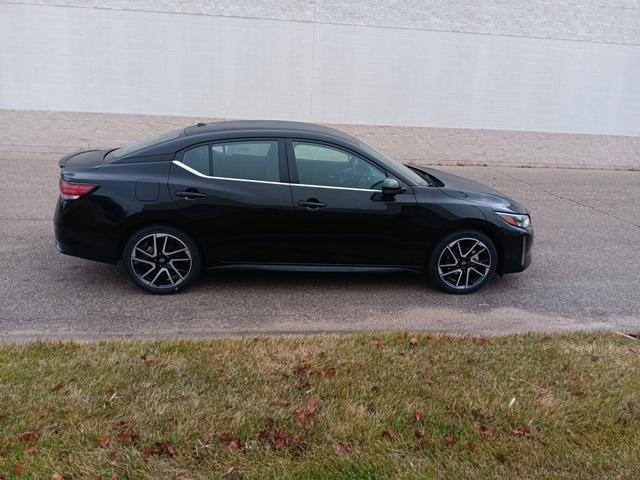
29, 436
420, 433
304, 419
167, 448
310, 349
149, 452
32, 450
401, 338
525, 432
379, 344
235, 445
180, 476
127, 437
225, 437
115, 457
486, 432
105, 441
342, 448
578, 393
329, 372
18, 469
280, 440
56, 476
57, 387
450, 441
297, 443
389, 435
417, 416
281, 401
312, 404
413, 343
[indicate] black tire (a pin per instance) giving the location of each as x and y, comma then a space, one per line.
444, 263
172, 258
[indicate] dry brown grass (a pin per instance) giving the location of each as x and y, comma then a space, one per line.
358, 406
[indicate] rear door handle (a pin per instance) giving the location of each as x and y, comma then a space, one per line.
190, 195
312, 204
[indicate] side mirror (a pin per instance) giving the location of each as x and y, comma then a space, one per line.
391, 186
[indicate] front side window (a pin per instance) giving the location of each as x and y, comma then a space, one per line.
327, 166
251, 160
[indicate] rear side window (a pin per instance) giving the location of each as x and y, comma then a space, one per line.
251, 160
198, 159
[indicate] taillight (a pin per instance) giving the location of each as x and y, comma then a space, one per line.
74, 191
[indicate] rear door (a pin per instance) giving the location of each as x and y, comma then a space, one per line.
237, 198
341, 216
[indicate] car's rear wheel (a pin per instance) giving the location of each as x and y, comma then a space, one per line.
463, 262
161, 259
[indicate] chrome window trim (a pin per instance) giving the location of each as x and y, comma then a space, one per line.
199, 174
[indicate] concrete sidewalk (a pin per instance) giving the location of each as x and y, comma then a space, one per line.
585, 274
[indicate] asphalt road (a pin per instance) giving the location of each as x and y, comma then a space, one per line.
585, 274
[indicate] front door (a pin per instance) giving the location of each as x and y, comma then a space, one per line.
341, 216
237, 199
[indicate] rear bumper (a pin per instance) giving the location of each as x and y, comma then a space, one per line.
517, 246
79, 235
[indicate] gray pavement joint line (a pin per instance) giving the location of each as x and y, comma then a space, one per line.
569, 199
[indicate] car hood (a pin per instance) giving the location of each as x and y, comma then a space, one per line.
463, 188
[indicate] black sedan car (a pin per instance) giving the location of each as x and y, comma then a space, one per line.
281, 195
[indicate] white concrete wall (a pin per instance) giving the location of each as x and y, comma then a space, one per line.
303, 61
477, 71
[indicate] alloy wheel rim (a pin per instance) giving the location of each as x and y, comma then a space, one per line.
161, 260
464, 263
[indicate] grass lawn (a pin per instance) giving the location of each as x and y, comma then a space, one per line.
334, 407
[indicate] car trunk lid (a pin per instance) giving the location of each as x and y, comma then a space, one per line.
83, 159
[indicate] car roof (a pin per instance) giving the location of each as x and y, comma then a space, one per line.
279, 127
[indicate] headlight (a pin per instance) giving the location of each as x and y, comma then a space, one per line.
515, 220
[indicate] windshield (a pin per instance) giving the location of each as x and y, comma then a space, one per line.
382, 158
135, 147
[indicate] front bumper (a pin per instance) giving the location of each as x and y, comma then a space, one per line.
517, 246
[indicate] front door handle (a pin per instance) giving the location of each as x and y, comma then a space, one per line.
190, 195
312, 204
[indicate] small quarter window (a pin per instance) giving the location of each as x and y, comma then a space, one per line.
254, 160
198, 159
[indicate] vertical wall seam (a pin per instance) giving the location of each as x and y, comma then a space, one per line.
313, 58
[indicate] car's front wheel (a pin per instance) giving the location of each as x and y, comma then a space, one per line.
462, 262
161, 259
